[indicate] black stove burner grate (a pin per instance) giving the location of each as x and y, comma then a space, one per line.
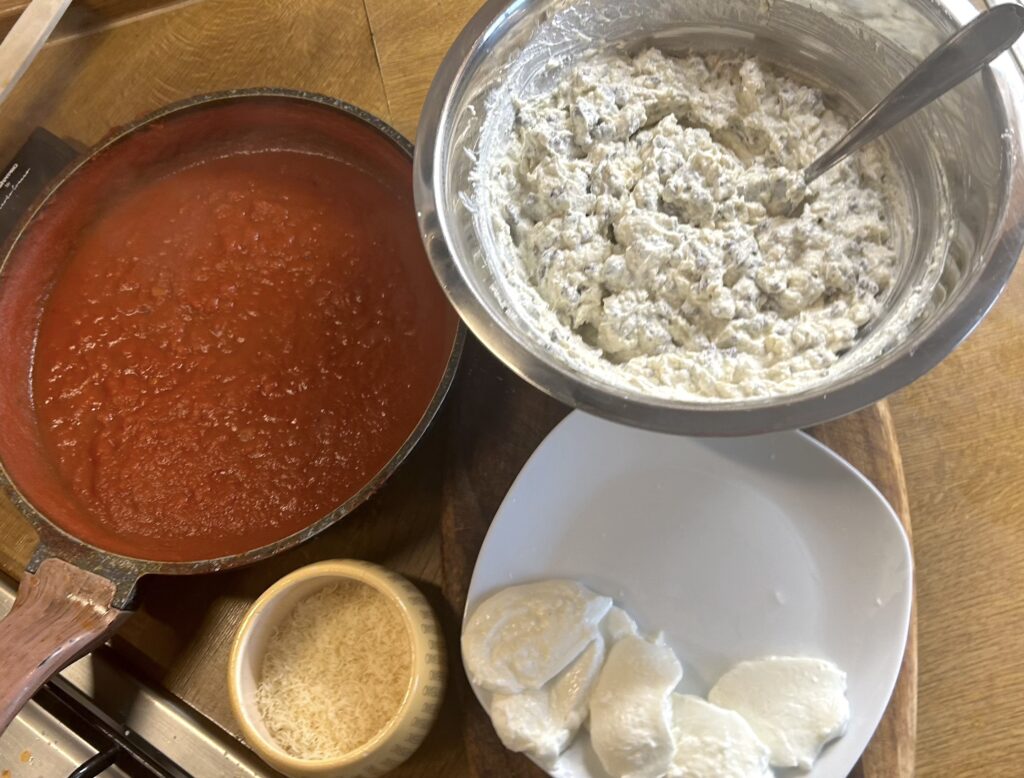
114, 744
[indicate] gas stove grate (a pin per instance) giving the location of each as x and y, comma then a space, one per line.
114, 743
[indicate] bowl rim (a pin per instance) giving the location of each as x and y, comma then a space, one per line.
815, 405
329, 571
125, 569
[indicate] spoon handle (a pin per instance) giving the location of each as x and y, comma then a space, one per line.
25, 38
963, 55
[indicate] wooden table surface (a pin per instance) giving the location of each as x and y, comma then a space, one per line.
959, 427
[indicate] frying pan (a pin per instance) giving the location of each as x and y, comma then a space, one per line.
74, 594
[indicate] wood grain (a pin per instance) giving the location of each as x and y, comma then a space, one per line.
487, 449
85, 16
868, 441
411, 39
958, 426
84, 86
60, 613
964, 460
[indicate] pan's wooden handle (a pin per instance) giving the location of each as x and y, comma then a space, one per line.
61, 612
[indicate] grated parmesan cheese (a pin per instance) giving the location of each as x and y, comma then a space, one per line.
336, 671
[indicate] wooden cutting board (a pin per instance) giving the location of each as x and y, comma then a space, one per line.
498, 422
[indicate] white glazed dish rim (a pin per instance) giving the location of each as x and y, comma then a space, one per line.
837, 760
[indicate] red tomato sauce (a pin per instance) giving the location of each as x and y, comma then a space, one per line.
235, 349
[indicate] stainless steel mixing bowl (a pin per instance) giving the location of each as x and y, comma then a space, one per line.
960, 161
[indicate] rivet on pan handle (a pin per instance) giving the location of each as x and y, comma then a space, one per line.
60, 613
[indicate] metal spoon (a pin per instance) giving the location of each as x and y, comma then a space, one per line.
963, 55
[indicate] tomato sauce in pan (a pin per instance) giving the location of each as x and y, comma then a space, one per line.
236, 348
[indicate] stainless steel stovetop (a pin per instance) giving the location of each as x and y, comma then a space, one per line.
95, 718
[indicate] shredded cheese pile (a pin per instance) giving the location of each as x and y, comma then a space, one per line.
336, 671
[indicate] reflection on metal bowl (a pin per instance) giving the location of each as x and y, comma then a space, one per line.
959, 161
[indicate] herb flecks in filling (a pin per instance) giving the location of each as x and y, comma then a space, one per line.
647, 199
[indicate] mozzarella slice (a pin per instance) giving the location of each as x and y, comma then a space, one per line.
570, 693
523, 636
617, 624
795, 704
630, 709
713, 742
524, 722
542, 723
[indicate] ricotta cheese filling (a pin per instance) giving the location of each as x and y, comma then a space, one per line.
648, 202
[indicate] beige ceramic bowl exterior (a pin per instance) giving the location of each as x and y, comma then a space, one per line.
403, 735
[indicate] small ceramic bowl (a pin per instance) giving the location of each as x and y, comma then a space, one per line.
406, 730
